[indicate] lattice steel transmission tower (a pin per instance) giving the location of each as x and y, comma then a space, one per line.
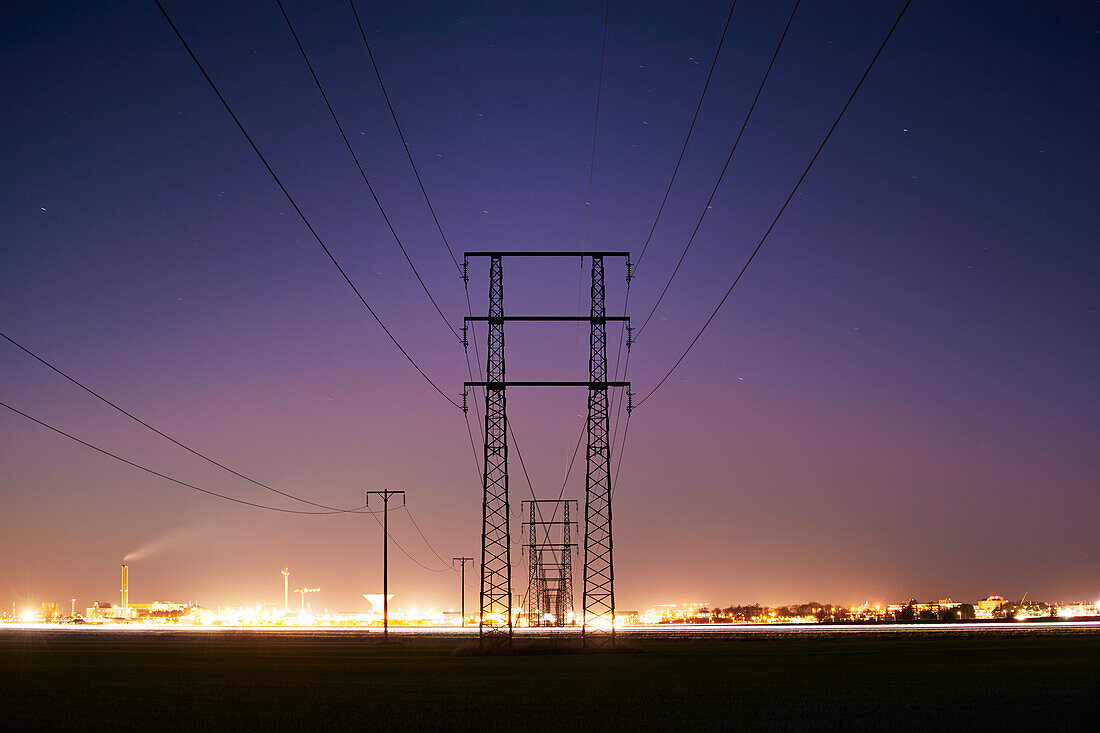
599, 577
549, 562
599, 568
496, 559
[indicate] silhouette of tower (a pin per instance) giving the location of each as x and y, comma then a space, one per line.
599, 578
549, 562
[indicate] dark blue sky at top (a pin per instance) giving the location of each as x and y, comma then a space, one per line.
900, 398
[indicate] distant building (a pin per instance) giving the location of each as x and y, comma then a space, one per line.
50, 611
104, 610
100, 610
986, 607
157, 609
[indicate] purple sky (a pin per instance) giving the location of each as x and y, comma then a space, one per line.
899, 399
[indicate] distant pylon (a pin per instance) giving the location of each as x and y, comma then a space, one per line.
549, 562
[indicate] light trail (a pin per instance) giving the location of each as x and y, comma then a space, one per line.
653, 631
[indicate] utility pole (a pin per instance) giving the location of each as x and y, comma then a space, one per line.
462, 588
385, 494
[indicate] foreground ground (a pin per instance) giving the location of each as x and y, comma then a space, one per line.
261, 680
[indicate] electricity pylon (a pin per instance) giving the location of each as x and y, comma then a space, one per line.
549, 579
599, 578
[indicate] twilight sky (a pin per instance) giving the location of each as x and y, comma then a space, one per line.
899, 399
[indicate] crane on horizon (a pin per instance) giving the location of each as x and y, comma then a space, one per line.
303, 591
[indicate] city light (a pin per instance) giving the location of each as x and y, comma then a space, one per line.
991, 609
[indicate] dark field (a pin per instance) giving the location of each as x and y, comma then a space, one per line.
253, 681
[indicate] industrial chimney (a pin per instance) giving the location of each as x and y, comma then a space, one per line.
125, 587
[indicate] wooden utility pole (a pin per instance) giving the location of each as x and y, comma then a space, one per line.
462, 588
385, 494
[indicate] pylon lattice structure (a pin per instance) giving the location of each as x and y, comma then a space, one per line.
599, 569
496, 563
599, 577
549, 563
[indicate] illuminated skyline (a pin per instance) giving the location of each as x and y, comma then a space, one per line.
900, 398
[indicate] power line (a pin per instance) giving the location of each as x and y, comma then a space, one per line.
427, 200
785, 203
695, 117
301, 215
622, 449
721, 175
619, 404
477, 410
402, 549
595, 127
657, 218
165, 476
423, 537
362, 172
167, 437
397, 239
473, 447
401, 134
332, 510
588, 187
519, 453
569, 469
527, 476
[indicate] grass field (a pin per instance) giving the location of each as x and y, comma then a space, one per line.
253, 681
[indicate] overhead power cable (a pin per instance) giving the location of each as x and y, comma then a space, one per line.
519, 453
473, 446
530, 486
721, 175
569, 469
595, 127
683, 149
403, 551
401, 134
164, 435
588, 187
397, 239
622, 450
431, 209
362, 172
297, 209
446, 565
166, 477
331, 510
657, 218
618, 406
660, 209
784, 206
